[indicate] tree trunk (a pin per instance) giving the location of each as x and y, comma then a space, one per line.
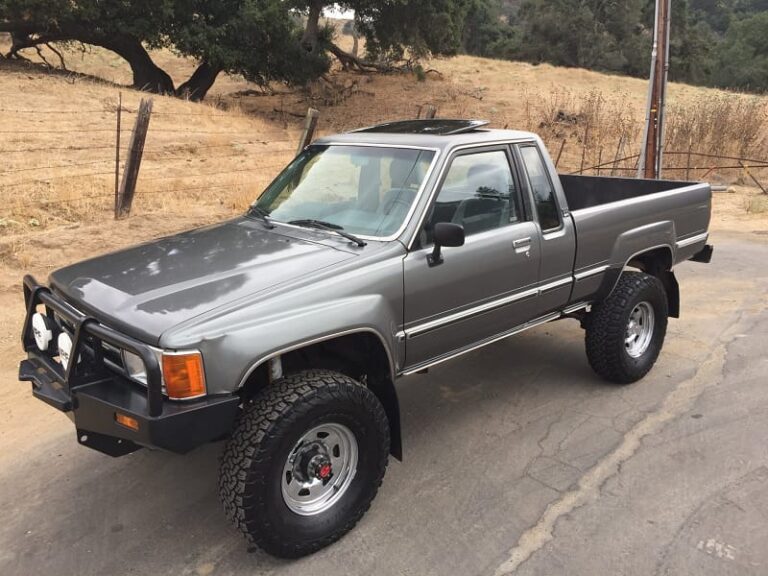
312, 30
147, 75
199, 83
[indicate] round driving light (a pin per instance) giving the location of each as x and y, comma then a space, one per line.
42, 330
65, 348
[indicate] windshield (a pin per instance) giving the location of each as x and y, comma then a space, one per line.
360, 189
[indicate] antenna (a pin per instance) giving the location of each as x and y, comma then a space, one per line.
653, 136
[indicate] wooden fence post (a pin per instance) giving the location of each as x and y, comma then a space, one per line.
560, 152
133, 162
616, 156
755, 180
117, 150
584, 149
429, 111
599, 160
310, 125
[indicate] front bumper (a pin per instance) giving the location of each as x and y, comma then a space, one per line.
93, 395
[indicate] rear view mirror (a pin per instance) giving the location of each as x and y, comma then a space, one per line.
445, 234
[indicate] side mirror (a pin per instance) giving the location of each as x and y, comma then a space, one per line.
445, 234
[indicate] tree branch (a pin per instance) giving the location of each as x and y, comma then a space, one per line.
350, 61
61, 57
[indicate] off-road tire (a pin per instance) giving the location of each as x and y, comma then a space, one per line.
606, 325
251, 468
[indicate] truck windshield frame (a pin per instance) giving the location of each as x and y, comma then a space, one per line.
371, 191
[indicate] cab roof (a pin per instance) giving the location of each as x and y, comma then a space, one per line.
438, 134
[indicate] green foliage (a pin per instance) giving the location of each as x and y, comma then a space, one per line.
258, 39
487, 31
584, 33
417, 27
742, 60
145, 19
712, 42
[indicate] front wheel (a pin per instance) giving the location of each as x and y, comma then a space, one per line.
304, 462
625, 332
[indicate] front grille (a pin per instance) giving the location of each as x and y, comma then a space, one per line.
112, 356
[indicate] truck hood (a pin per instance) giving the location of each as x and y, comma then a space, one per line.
145, 290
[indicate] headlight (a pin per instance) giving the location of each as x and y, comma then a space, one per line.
42, 330
134, 367
182, 373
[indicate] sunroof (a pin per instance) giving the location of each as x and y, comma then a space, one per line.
437, 126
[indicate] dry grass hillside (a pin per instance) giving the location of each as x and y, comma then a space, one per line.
206, 161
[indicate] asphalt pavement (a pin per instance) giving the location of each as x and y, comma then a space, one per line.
518, 460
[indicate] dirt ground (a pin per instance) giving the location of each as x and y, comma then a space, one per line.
518, 460
558, 473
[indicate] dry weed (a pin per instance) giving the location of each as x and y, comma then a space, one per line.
756, 204
596, 128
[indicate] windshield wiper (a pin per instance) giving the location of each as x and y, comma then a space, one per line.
262, 215
310, 223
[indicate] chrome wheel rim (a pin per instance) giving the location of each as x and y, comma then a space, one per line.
319, 469
639, 333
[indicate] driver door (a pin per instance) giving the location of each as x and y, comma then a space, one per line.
482, 288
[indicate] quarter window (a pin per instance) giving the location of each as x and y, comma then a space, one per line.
541, 187
479, 192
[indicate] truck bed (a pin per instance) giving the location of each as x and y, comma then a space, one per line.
589, 191
617, 218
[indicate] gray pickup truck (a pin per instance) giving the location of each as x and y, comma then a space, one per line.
374, 255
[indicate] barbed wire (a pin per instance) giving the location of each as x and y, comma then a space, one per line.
46, 202
71, 165
62, 148
233, 115
45, 180
76, 111
218, 173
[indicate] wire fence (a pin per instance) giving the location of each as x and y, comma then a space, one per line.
684, 165
76, 157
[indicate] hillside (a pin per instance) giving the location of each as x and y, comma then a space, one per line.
205, 161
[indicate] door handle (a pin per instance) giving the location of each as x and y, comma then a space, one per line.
522, 242
523, 246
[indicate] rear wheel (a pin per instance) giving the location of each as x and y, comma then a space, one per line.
304, 462
625, 332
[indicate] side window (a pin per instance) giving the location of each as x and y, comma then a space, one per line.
479, 193
541, 187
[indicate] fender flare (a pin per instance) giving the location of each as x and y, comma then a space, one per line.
383, 388
664, 273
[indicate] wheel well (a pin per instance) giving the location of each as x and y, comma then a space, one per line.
658, 263
653, 261
360, 355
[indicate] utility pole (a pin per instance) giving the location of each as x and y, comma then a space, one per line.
653, 136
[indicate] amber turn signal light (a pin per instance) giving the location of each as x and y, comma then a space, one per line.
126, 421
183, 375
